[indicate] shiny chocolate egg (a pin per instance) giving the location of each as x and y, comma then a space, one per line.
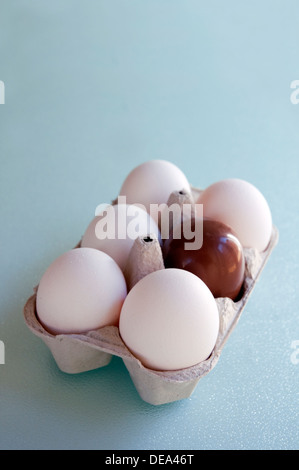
219, 262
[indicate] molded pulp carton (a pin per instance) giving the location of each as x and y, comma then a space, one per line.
75, 353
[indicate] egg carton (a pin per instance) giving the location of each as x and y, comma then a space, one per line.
77, 353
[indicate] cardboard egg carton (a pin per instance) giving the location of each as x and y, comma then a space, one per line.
76, 353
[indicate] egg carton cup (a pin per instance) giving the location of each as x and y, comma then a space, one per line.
77, 353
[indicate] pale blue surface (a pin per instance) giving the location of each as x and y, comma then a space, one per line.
92, 89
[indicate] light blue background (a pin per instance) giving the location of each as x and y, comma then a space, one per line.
92, 89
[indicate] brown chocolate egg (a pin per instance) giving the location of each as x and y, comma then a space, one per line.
219, 263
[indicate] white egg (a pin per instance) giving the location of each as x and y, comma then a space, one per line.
240, 205
152, 182
115, 230
82, 290
170, 320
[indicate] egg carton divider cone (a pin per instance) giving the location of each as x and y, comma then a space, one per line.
76, 353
